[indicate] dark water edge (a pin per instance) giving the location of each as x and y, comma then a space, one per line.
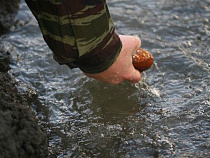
20, 134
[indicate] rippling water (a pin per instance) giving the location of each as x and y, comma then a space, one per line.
165, 115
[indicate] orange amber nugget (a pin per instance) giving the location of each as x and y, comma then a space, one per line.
142, 60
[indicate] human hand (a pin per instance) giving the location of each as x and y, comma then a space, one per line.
122, 69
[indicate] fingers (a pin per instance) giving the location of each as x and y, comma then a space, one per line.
137, 42
130, 45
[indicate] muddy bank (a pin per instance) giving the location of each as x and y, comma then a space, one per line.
20, 134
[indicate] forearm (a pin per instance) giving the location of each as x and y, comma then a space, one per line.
80, 33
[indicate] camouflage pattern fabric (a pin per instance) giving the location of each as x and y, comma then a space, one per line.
79, 32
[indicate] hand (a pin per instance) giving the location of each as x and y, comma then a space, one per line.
122, 69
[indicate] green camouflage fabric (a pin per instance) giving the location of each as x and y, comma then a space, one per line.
79, 32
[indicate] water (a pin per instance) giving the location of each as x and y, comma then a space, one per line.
165, 115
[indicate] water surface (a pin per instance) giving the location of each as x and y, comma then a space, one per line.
165, 115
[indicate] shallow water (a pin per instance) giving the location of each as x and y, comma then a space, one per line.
164, 115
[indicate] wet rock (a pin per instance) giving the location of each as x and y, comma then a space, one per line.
4, 60
20, 134
8, 9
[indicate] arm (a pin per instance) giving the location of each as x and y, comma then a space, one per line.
80, 33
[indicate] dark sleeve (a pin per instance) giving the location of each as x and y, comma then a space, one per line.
79, 32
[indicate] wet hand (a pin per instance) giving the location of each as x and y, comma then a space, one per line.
122, 69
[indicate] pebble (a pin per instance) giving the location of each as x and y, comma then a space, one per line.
206, 21
189, 43
187, 95
175, 17
158, 52
198, 91
205, 7
188, 80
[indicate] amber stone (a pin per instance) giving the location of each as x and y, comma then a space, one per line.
142, 60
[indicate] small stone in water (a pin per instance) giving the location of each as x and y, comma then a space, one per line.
206, 21
187, 95
158, 52
175, 17
189, 43
188, 80
198, 90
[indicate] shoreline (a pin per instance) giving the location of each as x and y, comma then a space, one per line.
20, 133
